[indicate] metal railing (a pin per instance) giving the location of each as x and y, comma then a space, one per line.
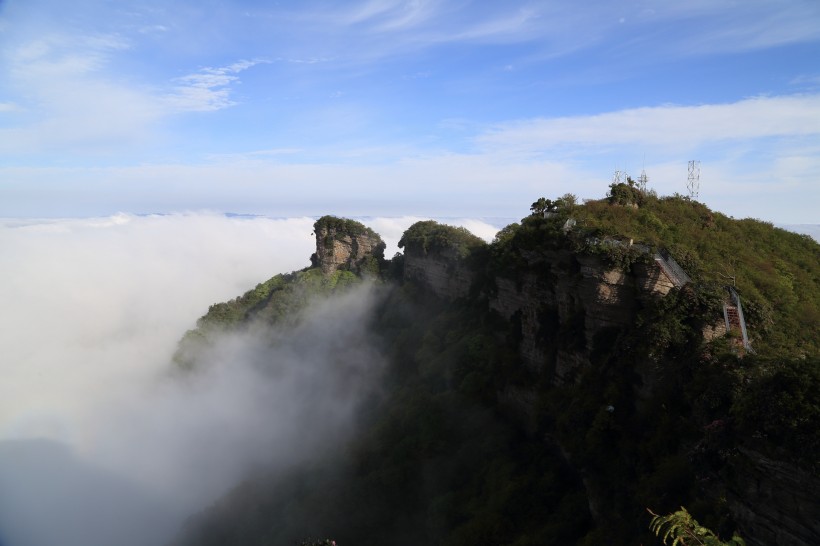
672, 269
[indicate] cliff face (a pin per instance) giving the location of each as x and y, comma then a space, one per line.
597, 374
774, 502
563, 303
559, 293
442, 273
580, 296
347, 245
434, 256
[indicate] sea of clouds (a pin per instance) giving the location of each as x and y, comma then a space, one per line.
99, 443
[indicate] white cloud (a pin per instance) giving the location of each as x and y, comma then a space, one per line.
809, 80
69, 104
398, 27
759, 25
680, 127
69, 87
208, 89
93, 309
127, 285
92, 313
153, 28
391, 15
62, 56
96, 306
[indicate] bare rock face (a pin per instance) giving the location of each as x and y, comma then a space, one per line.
346, 245
773, 502
566, 300
447, 278
560, 300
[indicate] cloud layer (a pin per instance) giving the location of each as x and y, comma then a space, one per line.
93, 312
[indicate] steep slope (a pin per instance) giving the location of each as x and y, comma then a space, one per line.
547, 388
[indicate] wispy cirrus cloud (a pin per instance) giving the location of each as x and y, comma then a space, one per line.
66, 99
208, 89
723, 27
75, 99
387, 15
557, 28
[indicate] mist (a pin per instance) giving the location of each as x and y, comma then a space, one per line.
99, 443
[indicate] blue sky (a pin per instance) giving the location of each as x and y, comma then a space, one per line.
388, 107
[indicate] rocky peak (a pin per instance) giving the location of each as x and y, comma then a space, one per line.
347, 245
436, 254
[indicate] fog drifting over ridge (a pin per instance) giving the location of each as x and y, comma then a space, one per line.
93, 310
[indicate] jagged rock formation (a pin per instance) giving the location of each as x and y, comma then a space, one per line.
347, 245
578, 294
590, 348
561, 300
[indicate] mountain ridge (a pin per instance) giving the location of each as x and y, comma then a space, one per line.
564, 323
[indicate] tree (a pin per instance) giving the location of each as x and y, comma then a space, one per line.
625, 193
567, 203
542, 206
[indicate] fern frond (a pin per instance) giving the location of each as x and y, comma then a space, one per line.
684, 530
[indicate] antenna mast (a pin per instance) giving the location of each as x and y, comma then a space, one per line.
693, 182
643, 179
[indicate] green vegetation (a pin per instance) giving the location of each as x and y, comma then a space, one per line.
625, 194
344, 225
435, 463
279, 300
339, 227
431, 237
775, 272
565, 203
781, 409
470, 445
681, 529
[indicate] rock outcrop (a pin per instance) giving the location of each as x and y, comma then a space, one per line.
346, 245
625, 431
774, 502
435, 256
447, 277
574, 296
561, 300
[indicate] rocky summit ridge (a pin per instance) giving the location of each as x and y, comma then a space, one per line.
598, 336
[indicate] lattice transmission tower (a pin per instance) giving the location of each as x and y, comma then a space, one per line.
642, 181
693, 182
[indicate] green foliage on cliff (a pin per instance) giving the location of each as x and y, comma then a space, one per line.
435, 463
278, 300
431, 237
471, 445
343, 226
780, 410
776, 272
